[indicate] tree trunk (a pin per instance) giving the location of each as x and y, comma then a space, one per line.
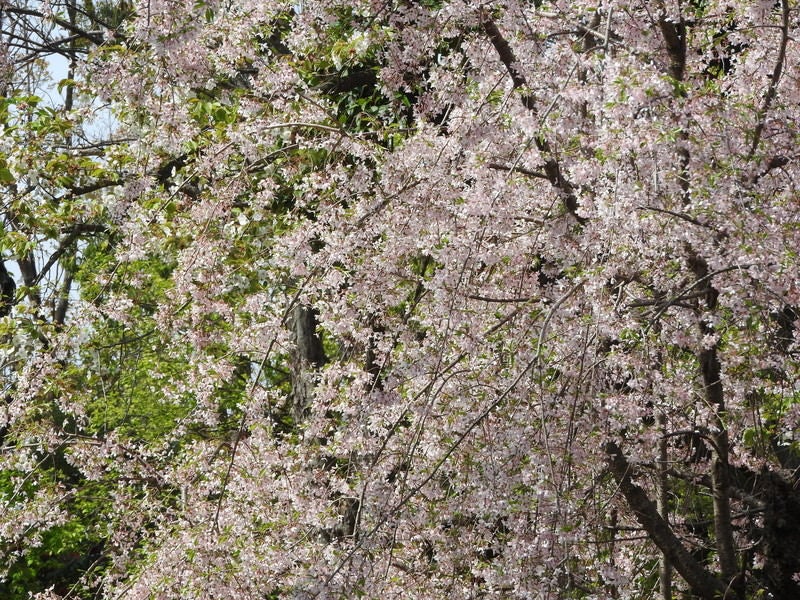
665, 566
702, 583
308, 356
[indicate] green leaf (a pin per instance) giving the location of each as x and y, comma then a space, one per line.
65, 83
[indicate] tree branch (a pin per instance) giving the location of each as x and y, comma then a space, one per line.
71, 234
96, 37
507, 57
777, 71
552, 168
703, 583
515, 169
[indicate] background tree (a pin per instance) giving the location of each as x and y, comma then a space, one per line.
57, 160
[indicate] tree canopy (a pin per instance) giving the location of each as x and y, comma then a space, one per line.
382, 299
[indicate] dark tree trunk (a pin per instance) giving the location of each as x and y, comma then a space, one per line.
308, 357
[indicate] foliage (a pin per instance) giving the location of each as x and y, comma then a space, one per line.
462, 298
